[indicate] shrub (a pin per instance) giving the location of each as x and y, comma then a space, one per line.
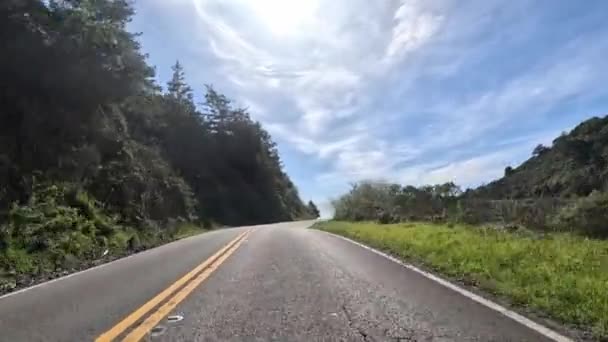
119, 241
207, 223
385, 218
4, 237
16, 260
134, 243
588, 215
58, 221
468, 212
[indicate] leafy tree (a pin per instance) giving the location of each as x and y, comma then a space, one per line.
539, 149
81, 111
447, 190
313, 210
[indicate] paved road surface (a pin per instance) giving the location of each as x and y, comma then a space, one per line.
282, 283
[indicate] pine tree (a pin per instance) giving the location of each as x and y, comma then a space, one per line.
177, 87
313, 210
217, 109
107, 127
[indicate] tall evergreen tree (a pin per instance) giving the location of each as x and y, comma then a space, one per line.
80, 105
313, 210
177, 87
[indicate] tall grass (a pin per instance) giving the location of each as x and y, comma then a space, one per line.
563, 275
185, 230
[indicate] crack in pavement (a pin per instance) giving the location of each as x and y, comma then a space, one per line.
352, 325
386, 333
405, 336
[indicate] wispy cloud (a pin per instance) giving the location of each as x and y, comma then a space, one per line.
403, 90
413, 26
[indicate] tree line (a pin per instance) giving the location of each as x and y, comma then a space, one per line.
87, 135
444, 203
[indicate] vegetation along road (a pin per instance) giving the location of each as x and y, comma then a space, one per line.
269, 282
111, 164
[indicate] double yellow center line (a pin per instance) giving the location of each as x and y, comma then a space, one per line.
171, 296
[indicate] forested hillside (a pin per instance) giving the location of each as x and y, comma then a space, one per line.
93, 152
574, 165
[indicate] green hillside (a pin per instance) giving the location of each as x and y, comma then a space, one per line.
574, 165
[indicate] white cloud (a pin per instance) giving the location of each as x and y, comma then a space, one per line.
568, 73
472, 171
413, 27
395, 90
384, 164
326, 75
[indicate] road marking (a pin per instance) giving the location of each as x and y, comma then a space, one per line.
541, 329
142, 330
128, 321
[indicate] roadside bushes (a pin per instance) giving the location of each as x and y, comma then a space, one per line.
62, 227
532, 213
589, 215
58, 224
391, 203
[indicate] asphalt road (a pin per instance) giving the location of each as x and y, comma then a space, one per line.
282, 283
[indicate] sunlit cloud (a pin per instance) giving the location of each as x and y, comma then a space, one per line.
403, 90
412, 28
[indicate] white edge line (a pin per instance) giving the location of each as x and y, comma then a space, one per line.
555, 336
48, 282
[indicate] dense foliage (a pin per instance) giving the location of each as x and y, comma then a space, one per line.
79, 110
393, 202
313, 210
574, 165
589, 214
562, 187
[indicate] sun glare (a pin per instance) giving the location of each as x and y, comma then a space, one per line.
284, 17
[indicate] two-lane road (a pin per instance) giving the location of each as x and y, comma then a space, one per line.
279, 282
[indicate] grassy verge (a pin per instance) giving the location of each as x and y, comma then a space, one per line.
20, 267
187, 230
61, 229
562, 275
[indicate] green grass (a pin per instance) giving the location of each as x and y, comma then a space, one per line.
19, 262
187, 230
62, 228
562, 275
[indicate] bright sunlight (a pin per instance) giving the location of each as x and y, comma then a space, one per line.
284, 17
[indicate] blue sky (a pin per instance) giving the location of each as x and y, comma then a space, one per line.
409, 91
